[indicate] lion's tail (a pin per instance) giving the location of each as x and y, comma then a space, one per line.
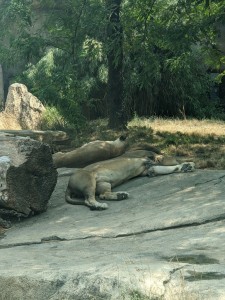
72, 200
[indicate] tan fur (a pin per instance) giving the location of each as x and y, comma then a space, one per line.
102, 150
90, 153
99, 178
166, 160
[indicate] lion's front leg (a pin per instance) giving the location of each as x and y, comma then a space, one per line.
187, 167
104, 191
114, 196
94, 204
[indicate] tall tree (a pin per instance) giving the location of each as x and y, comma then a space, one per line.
1, 88
153, 56
117, 115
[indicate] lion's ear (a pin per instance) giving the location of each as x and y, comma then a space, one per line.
123, 137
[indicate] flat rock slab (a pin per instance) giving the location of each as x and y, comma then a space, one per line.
166, 241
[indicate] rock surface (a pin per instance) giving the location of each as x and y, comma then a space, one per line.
48, 136
166, 241
8, 121
27, 108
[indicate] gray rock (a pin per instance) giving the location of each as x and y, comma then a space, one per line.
27, 176
166, 241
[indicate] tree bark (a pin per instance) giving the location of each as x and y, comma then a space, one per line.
117, 116
27, 176
1, 89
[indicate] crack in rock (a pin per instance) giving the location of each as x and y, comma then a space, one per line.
43, 240
180, 226
48, 239
218, 180
52, 238
55, 238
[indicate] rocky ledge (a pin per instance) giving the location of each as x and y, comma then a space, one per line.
166, 241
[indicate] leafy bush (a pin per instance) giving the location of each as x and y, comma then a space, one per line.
166, 44
52, 120
167, 53
55, 83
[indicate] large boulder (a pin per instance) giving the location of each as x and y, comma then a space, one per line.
27, 108
165, 242
27, 176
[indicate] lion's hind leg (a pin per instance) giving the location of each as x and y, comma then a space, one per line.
83, 182
163, 170
105, 193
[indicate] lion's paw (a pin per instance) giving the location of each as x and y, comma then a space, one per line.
151, 172
122, 195
99, 206
187, 167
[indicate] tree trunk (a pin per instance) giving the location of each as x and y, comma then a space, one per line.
1, 89
117, 116
27, 176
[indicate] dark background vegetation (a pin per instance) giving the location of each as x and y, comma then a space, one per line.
117, 59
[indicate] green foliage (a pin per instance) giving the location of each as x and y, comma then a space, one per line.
54, 86
71, 73
53, 120
17, 44
59, 49
168, 46
184, 78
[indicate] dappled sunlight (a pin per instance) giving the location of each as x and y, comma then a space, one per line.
63, 219
219, 230
96, 231
37, 267
8, 121
152, 284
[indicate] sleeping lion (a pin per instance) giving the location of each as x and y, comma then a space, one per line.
99, 178
90, 153
98, 151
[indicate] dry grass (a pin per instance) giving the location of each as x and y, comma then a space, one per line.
201, 141
193, 126
8, 121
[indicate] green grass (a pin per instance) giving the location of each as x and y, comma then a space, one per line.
52, 120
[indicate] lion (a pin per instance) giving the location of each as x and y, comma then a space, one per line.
98, 151
99, 178
91, 152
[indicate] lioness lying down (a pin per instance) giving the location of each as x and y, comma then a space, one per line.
99, 178
90, 153
98, 151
